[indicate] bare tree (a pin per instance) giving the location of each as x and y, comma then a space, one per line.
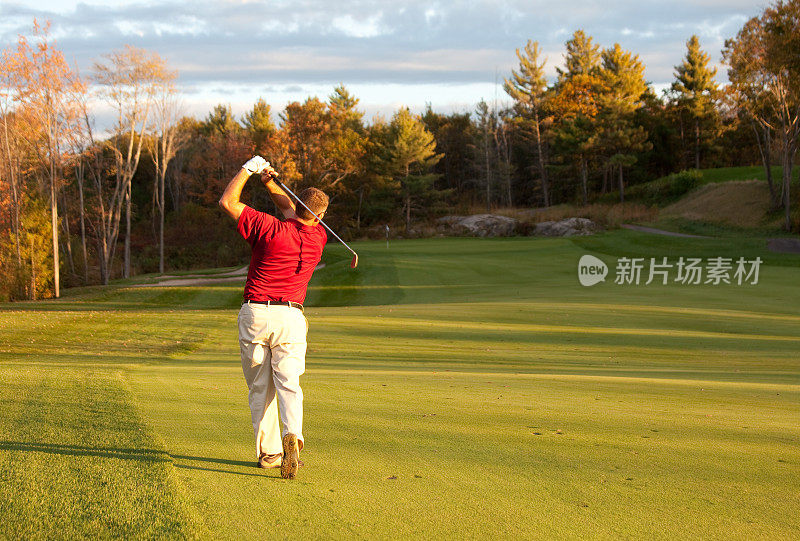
7, 104
45, 83
165, 143
487, 126
81, 142
129, 80
502, 141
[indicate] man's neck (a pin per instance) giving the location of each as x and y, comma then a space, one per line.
306, 222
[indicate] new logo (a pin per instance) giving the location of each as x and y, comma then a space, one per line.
591, 270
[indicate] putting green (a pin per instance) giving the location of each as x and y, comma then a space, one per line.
454, 387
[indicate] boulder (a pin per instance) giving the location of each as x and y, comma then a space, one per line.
568, 227
480, 225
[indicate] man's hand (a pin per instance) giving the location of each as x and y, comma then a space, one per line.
256, 164
268, 174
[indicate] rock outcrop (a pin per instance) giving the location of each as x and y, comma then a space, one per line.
569, 227
480, 225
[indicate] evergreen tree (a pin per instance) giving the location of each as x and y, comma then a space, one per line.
411, 155
624, 86
657, 116
454, 134
220, 121
696, 91
342, 106
582, 56
258, 124
575, 138
346, 138
376, 190
574, 102
528, 89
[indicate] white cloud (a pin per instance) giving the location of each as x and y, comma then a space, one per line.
440, 52
368, 28
185, 26
130, 28
648, 34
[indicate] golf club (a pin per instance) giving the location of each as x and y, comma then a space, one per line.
354, 262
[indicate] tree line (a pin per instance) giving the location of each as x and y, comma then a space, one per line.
141, 196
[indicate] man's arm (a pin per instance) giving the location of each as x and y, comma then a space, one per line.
276, 193
229, 202
230, 198
233, 192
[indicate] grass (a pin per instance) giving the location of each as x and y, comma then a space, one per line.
77, 461
454, 388
729, 202
727, 174
725, 209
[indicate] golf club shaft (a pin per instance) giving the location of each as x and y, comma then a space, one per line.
290, 192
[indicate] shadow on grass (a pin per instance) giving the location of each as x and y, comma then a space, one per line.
144, 455
215, 470
213, 460
141, 455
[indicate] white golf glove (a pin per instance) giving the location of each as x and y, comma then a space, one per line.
256, 164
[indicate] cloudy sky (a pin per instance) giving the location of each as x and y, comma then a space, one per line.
388, 53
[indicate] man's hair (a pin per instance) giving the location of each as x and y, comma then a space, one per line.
314, 199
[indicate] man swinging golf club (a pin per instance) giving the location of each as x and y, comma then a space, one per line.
272, 326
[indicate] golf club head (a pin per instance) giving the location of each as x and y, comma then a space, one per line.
354, 262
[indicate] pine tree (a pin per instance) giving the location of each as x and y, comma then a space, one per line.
258, 123
342, 106
528, 89
345, 140
411, 155
220, 121
582, 57
622, 74
696, 89
454, 134
574, 103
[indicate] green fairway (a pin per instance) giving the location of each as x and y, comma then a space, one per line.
455, 388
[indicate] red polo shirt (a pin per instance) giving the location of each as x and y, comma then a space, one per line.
284, 256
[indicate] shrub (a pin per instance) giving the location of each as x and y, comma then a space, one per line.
607, 215
665, 190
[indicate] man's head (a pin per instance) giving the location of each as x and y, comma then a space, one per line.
314, 199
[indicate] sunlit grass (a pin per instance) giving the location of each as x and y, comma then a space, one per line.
455, 388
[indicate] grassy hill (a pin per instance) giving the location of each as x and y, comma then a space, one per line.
728, 201
737, 203
455, 388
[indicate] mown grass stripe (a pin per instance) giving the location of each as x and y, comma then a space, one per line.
76, 462
499, 328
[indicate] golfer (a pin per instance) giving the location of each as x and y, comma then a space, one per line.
272, 326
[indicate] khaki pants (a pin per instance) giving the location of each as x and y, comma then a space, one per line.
272, 340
